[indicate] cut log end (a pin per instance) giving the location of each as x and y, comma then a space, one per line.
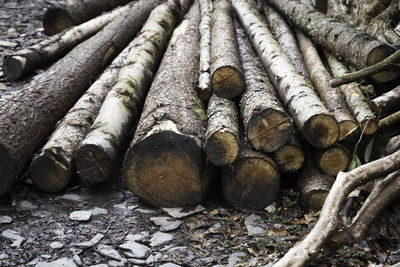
315, 201
289, 158
269, 130
347, 129
166, 169
13, 67
333, 160
7, 174
227, 82
222, 148
56, 20
204, 93
321, 130
49, 172
251, 183
370, 125
92, 163
378, 54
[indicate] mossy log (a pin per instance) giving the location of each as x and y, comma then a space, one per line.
73, 12
222, 136
290, 158
309, 113
226, 71
165, 164
95, 157
332, 97
354, 97
358, 49
29, 117
24, 61
387, 103
252, 181
333, 160
267, 125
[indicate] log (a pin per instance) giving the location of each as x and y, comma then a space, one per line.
333, 99
96, 154
267, 125
309, 113
27, 60
52, 168
73, 12
252, 181
387, 103
354, 97
204, 88
38, 107
222, 136
389, 121
333, 160
290, 158
285, 37
165, 164
392, 145
358, 49
226, 71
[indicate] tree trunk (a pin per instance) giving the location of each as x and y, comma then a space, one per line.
252, 181
222, 137
74, 12
27, 119
285, 37
354, 97
96, 154
387, 103
204, 88
290, 158
52, 168
267, 125
389, 120
165, 164
332, 97
309, 113
29, 59
226, 72
358, 49
333, 160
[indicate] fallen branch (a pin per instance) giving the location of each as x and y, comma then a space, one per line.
387, 103
389, 120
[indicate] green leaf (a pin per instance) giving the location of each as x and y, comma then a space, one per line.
368, 150
355, 162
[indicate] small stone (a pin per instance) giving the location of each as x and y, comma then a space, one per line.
137, 250
252, 219
75, 197
146, 211
80, 215
121, 263
166, 223
121, 205
8, 44
169, 264
3, 87
14, 236
27, 205
137, 262
251, 225
77, 260
271, 208
132, 207
56, 245
109, 252
87, 244
63, 262
45, 256
99, 265
98, 211
41, 213
183, 212
160, 238
153, 258
137, 237
5, 219
233, 258
3, 256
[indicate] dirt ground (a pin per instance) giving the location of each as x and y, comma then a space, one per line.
38, 227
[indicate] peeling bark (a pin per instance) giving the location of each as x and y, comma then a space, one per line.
29, 117
310, 115
290, 158
165, 164
96, 155
387, 103
333, 160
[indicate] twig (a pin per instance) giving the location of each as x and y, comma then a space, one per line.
355, 76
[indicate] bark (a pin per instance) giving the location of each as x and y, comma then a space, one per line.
52, 167
387, 103
226, 71
29, 59
309, 113
267, 125
358, 49
165, 164
98, 151
290, 158
27, 119
204, 88
285, 37
252, 181
74, 12
328, 221
389, 120
222, 136
333, 160
354, 97
392, 145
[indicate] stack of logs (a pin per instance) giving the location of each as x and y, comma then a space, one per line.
203, 84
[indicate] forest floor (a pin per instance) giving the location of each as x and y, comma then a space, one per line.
38, 227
